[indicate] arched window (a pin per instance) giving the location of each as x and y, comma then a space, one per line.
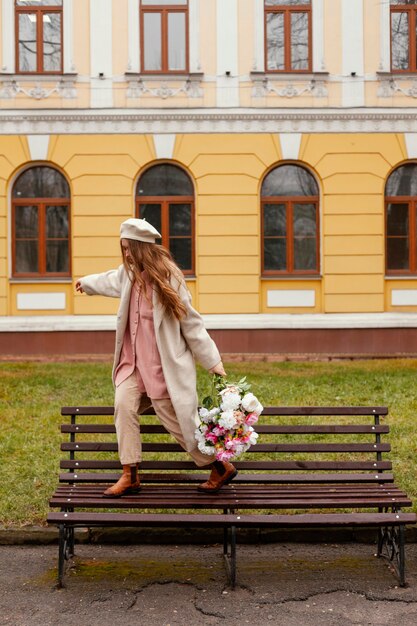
165, 198
41, 224
290, 222
401, 220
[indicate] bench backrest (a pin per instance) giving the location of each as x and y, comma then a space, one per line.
295, 444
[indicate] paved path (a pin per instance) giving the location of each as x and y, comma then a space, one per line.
285, 584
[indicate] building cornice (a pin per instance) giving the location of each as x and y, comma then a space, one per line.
169, 120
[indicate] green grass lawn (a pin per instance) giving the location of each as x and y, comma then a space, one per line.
32, 393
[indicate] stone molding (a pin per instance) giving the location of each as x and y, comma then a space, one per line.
121, 121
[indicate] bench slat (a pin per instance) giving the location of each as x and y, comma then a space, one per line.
270, 410
272, 429
83, 446
207, 520
249, 478
249, 465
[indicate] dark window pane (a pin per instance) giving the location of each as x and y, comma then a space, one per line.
26, 222
152, 214
57, 221
26, 257
275, 41
41, 182
397, 219
179, 219
152, 45
398, 253
304, 220
176, 41
181, 251
305, 253
289, 180
299, 41
275, 3
275, 254
52, 42
403, 181
57, 257
399, 40
165, 180
275, 220
27, 42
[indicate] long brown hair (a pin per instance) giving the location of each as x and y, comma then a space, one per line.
160, 267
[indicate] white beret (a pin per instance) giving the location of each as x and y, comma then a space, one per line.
140, 230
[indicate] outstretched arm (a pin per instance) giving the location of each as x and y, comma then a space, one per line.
105, 284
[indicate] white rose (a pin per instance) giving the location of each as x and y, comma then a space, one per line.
227, 420
230, 402
253, 438
214, 412
250, 402
205, 449
205, 415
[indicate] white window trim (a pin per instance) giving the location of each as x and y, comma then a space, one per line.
8, 37
194, 35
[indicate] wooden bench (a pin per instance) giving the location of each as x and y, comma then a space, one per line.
312, 467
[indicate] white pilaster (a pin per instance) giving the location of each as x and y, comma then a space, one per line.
227, 54
101, 83
7, 36
319, 64
68, 36
259, 36
353, 53
133, 36
384, 37
194, 35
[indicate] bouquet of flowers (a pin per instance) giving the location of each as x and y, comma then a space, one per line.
226, 421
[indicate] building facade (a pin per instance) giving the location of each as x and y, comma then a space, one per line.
272, 142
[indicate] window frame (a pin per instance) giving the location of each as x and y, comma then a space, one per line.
412, 47
411, 202
289, 202
164, 12
165, 201
287, 10
41, 203
39, 10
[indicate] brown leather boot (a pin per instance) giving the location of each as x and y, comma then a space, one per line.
222, 473
129, 482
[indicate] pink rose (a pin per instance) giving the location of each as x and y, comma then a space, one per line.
219, 431
251, 419
211, 437
224, 455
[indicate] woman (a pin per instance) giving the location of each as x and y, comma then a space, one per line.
158, 335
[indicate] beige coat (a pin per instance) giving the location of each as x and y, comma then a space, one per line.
179, 343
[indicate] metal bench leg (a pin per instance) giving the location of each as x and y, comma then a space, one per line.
401, 555
61, 556
391, 546
230, 555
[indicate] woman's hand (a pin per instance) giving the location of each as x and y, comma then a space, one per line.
78, 286
218, 369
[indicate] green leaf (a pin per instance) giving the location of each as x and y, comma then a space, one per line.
207, 402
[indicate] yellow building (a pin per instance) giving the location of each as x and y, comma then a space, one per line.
273, 143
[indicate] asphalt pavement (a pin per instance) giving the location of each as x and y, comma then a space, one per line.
289, 584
